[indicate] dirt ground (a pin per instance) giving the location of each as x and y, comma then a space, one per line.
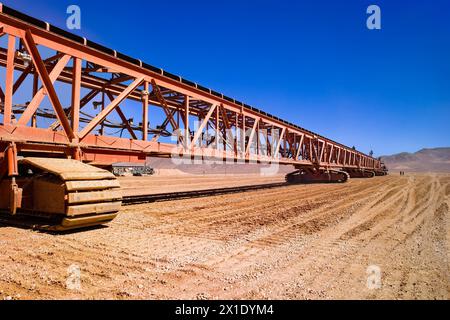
296, 242
162, 184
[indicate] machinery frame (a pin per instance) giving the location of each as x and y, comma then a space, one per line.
77, 61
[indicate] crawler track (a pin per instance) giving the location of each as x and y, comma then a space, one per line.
131, 200
37, 223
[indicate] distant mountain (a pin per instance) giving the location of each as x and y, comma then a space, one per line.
425, 160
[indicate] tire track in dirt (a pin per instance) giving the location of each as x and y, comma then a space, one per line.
248, 253
326, 248
312, 241
395, 246
320, 247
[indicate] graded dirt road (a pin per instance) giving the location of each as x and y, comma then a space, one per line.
296, 242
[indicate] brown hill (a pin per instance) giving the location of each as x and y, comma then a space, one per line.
425, 160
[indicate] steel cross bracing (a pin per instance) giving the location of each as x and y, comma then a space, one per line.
205, 124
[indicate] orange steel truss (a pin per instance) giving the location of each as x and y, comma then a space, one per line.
225, 129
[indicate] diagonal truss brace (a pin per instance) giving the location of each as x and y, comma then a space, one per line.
203, 125
39, 96
48, 84
165, 108
102, 115
122, 117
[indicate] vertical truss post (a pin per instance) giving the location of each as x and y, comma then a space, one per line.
258, 142
145, 112
76, 89
293, 146
217, 128
243, 136
7, 113
187, 130
236, 141
331, 154
201, 135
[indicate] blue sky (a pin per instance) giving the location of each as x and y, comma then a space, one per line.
313, 63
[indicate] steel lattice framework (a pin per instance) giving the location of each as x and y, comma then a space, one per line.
225, 129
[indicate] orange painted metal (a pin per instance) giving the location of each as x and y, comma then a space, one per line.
240, 132
7, 109
50, 90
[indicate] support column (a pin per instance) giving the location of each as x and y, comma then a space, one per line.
7, 112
